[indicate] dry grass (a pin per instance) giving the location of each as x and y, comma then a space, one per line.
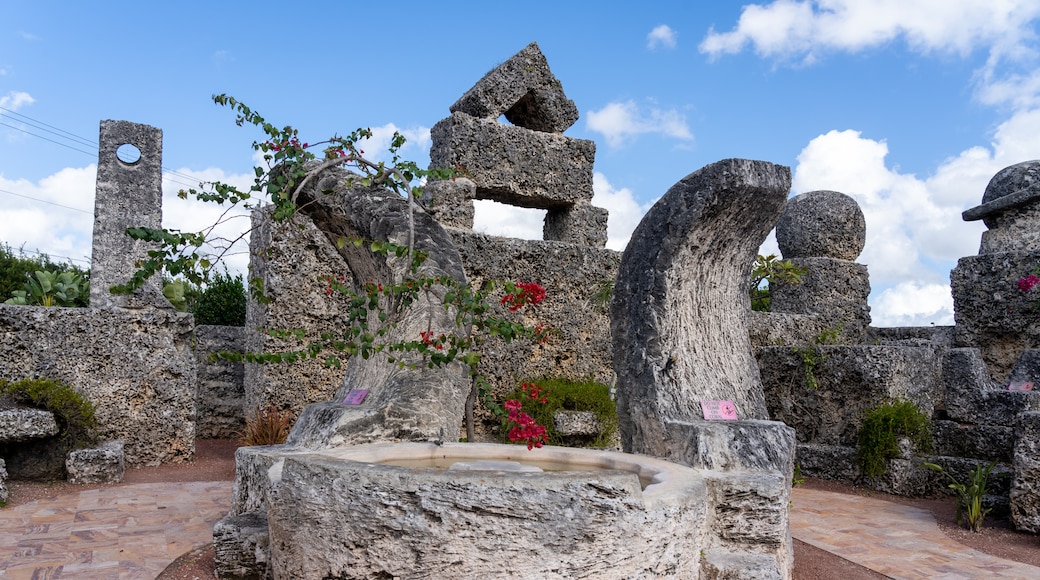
267, 426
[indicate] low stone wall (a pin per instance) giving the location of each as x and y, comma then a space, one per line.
220, 398
136, 366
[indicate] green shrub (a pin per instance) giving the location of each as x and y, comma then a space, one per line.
767, 272
183, 295
74, 413
223, 302
16, 271
571, 395
878, 438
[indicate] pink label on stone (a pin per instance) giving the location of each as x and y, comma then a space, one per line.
1020, 386
355, 397
719, 410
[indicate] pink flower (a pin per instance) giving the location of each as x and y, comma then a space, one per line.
1027, 283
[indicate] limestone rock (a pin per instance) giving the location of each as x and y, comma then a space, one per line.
972, 397
746, 445
569, 423
24, 423
1025, 489
241, 547
833, 290
1011, 210
103, 464
822, 224
450, 201
3, 478
220, 398
498, 159
525, 91
581, 223
679, 315
994, 442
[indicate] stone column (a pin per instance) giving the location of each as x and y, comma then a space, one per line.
129, 194
824, 231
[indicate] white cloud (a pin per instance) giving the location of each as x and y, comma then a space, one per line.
619, 121
417, 143
499, 219
786, 28
15, 100
43, 216
661, 36
913, 304
625, 213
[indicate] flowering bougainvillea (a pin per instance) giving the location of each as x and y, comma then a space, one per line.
1026, 284
522, 427
522, 294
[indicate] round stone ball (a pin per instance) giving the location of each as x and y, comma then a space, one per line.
821, 224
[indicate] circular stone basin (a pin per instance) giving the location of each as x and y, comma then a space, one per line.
484, 510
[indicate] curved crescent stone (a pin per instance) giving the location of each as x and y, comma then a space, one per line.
679, 315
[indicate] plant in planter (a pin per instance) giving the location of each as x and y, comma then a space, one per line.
543, 399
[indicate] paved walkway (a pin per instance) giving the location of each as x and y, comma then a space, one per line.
131, 532
896, 540
124, 532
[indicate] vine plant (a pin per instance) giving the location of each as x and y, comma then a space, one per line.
373, 309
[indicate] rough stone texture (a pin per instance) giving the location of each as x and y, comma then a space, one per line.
783, 329
137, 367
1010, 210
1027, 369
994, 442
3, 478
127, 195
450, 201
679, 316
220, 398
821, 224
525, 91
942, 336
103, 464
749, 511
339, 518
1025, 489
834, 290
745, 445
850, 381
973, 398
514, 165
36, 459
24, 423
571, 275
291, 259
991, 313
582, 223
581, 423
402, 402
833, 462
723, 565
241, 547
257, 474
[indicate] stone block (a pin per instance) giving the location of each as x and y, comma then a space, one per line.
525, 91
727, 565
833, 462
241, 547
103, 464
1025, 488
972, 397
992, 442
991, 313
3, 479
24, 423
258, 471
730, 445
450, 201
580, 423
834, 290
572, 275
136, 366
850, 380
749, 510
582, 223
513, 165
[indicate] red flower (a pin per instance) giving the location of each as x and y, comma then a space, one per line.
1027, 283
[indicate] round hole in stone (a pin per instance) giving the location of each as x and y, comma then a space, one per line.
128, 154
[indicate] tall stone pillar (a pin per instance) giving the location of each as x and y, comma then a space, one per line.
128, 194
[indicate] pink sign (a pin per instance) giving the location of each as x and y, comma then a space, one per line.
355, 397
1020, 386
719, 410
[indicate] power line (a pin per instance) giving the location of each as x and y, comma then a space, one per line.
45, 201
39, 253
56, 131
46, 139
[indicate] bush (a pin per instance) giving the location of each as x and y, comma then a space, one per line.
223, 302
16, 270
267, 426
570, 396
878, 439
74, 413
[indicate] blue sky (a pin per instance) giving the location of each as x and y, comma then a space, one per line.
908, 106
